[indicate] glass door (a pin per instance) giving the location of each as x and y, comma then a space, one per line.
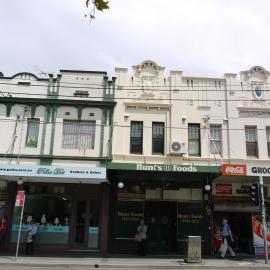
160, 217
85, 229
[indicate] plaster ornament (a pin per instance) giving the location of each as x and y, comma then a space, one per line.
43, 219
56, 221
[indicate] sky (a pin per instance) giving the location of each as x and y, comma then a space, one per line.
200, 37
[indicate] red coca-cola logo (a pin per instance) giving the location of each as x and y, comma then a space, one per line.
223, 189
234, 169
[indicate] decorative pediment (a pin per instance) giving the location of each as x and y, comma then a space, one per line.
149, 67
255, 71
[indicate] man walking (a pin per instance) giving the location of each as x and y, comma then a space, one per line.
227, 239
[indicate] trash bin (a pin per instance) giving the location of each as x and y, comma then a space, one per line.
193, 249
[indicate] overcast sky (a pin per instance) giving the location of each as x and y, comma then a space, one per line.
200, 37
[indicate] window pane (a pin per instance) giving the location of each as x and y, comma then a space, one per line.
252, 149
194, 147
268, 148
250, 134
32, 132
268, 134
215, 147
215, 139
136, 137
158, 138
79, 134
52, 214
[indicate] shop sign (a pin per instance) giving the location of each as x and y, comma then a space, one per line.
164, 167
234, 169
232, 189
20, 198
223, 189
243, 189
258, 240
258, 169
52, 171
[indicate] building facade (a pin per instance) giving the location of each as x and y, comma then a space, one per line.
95, 156
171, 134
55, 143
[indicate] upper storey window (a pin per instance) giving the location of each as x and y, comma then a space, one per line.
258, 91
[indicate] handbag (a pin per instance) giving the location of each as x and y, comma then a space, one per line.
137, 237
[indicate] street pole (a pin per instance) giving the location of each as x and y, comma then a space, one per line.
19, 233
263, 219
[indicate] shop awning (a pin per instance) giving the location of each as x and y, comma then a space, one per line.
53, 174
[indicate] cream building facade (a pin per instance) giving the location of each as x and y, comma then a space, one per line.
172, 132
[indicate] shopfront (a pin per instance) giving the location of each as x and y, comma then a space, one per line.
231, 198
68, 208
170, 198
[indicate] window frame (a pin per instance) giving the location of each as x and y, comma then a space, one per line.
27, 138
163, 138
140, 125
250, 142
89, 141
198, 127
218, 127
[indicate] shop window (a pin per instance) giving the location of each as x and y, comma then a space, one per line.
268, 140
215, 139
136, 137
78, 134
52, 214
251, 141
157, 138
194, 140
32, 133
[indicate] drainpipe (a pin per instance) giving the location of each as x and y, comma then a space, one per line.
14, 137
227, 116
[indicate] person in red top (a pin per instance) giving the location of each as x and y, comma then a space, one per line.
3, 230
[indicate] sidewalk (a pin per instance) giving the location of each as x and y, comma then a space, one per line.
156, 263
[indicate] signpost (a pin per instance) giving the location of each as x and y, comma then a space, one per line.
263, 220
20, 200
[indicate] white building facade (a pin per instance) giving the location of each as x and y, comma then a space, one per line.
171, 134
55, 141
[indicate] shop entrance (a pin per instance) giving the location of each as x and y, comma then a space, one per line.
241, 224
85, 230
160, 218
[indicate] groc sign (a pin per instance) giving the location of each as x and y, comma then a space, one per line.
258, 169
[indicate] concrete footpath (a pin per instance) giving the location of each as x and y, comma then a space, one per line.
145, 262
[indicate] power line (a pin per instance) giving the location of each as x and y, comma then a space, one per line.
129, 126
134, 88
126, 98
217, 86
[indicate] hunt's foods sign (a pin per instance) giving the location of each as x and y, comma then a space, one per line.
254, 169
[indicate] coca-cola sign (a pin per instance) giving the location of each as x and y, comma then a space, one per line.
234, 169
223, 189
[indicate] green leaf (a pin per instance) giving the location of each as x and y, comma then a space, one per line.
99, 4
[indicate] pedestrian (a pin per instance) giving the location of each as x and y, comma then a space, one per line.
31, 235
3, 231
142, 231
227, 239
